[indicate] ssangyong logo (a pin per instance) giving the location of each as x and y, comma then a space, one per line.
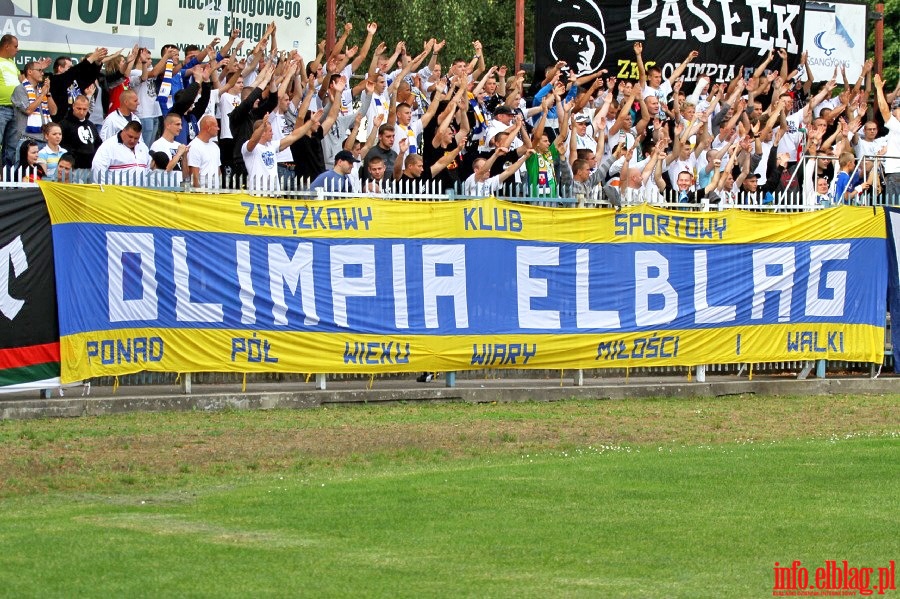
828, 41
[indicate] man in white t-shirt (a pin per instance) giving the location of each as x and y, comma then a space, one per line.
501, 120
795, 136
381, 102
583, 139
143, 82
481, 184
869, 144
261, 150
682, 159
656, 86
167, 144
410, 130
281, 128
891, 116
203, 155
116, 120
228, 101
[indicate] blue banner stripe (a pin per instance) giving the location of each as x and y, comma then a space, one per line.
625, 281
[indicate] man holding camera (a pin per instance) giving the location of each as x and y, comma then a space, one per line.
33, 103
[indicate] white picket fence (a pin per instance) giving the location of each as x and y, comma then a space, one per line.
424, 191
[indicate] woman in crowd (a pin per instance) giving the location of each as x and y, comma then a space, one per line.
29, 169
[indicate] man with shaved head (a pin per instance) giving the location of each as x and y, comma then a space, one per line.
117, 119
204, 156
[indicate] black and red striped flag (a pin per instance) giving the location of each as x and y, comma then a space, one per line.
29, 333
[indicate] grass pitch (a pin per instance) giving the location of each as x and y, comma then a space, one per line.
655, 498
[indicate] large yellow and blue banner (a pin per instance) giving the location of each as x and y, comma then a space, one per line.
216, 282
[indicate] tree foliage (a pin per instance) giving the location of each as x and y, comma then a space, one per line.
457, 21
891, 40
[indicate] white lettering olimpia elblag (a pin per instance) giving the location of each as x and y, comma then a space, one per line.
651, 279
286, 273
353, 270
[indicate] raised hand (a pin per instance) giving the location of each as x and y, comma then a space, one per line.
867, 66
783, 159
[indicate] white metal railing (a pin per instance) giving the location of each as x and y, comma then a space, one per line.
793, 200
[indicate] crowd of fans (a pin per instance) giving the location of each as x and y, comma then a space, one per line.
272, 119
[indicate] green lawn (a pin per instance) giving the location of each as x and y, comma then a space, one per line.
661, 498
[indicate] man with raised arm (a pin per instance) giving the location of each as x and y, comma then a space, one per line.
260, 153
256, 102
68, 82
892, 162
339, 62
481, 183
655, 85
